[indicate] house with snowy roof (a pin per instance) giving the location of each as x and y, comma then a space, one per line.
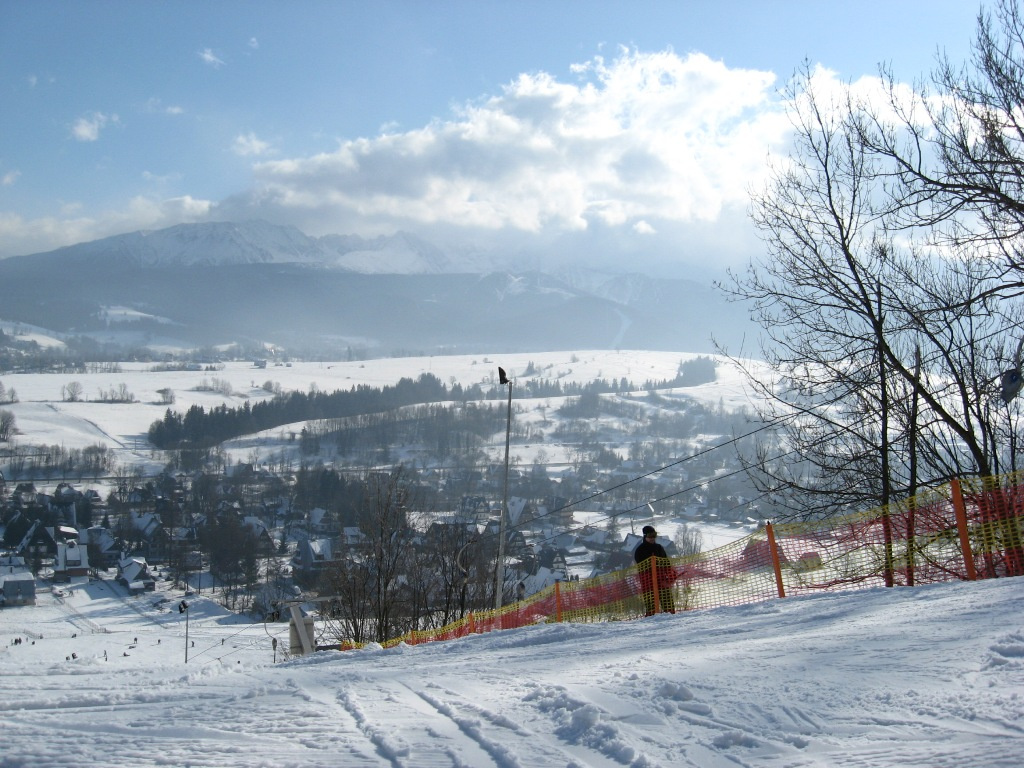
351, 536
29, 538
319, 521
313, 555
152, 532
71, 562
17, 583
264, 541
133, 572
104, 551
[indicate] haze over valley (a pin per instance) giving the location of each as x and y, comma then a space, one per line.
259, 285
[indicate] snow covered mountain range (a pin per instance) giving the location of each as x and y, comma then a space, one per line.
258, 283
259, 242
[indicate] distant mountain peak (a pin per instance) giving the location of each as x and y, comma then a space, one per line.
252, 281
230, 243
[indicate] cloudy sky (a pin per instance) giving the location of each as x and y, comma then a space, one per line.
609, 131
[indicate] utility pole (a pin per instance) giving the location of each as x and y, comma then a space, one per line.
499, 570
183, 608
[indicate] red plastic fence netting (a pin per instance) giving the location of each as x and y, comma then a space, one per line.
970, 529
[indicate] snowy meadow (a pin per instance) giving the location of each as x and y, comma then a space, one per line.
930, 676
44, 416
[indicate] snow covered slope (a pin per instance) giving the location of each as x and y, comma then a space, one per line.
931, 676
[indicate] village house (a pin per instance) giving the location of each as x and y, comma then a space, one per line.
312, 556
148, 534
29, 538
71, 562
264, 541
17, 584
319, 522
133, 573
103, 548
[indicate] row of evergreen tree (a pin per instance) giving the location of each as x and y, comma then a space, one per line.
199, 428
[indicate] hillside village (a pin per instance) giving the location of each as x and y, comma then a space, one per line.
259, 532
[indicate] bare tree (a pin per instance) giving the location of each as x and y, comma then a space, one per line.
452, 559
72, 391
367, 580
688, 540
349, 581
953, 151
385, 521
819, 295
7, 425
847, 317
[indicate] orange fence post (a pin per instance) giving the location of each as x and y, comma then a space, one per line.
654, 584
960, 509
911, 538
471, 623
774, 550
558, 601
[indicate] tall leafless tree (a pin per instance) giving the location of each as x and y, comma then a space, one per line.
952, 151
849, 313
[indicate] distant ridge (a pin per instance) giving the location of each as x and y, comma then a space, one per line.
256, 283
259, 242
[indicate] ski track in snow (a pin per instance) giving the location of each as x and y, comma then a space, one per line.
930, 677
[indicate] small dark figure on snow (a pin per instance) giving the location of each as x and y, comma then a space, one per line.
644, 551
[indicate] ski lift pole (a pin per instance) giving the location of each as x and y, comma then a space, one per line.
499, 570
183, 608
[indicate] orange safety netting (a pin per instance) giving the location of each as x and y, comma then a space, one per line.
964, 530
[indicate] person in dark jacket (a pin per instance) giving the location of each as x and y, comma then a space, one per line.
644, 551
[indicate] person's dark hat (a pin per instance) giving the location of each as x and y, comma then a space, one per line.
649, 531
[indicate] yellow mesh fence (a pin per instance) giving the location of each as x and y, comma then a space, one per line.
965, 530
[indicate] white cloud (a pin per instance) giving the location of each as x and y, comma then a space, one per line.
8, 179
250, 145
161, 178
634, 141
21, 236
88, 127
254, 43
644, 156
156, 106
209, 57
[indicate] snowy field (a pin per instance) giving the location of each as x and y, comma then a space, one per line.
44, 418
928, 677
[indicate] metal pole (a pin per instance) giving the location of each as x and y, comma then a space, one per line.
183, 608
499, 571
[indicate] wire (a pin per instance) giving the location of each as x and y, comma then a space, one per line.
767, 425
244, 628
